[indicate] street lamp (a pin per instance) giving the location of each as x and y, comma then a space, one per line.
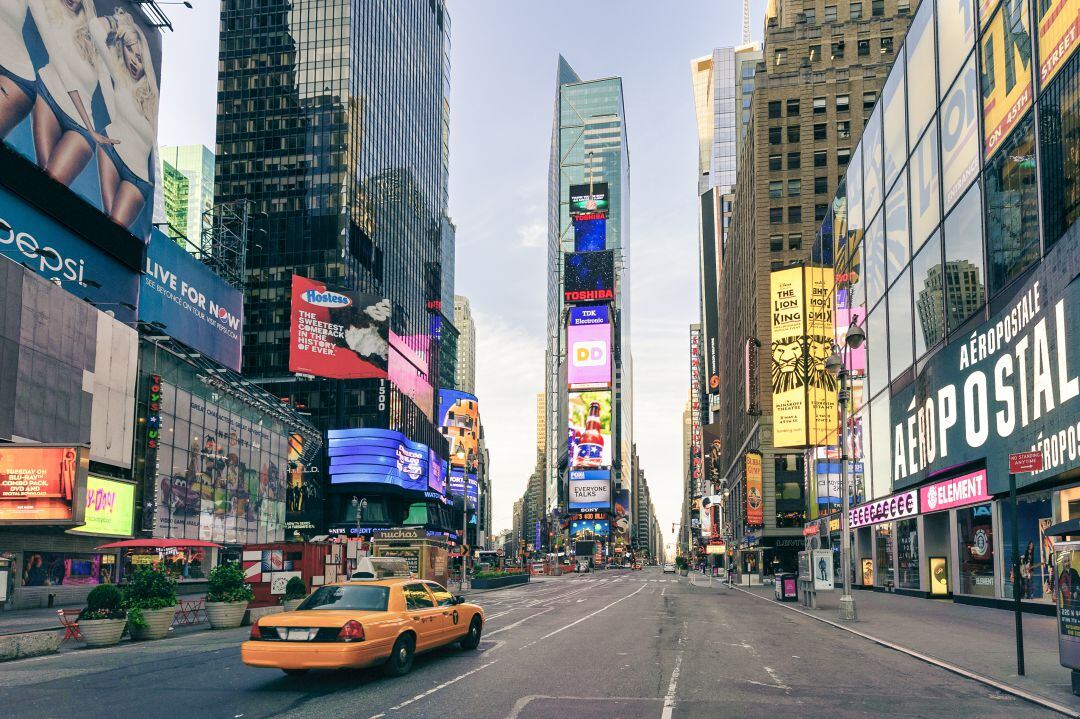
359, 505
836, 365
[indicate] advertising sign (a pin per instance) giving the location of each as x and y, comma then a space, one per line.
711, 434
822, 565
590, 489
110, 506
695, 448
1013, 384
339, 335
956, 492
587, 199
455, 482
588, 363
590, 233
408, 369
304, 494
436, 473
1058, 22
897, 506
199, 308
589, 529
459, 422
622, 514
41, 484
90, 72
379, 456
711, 262
1005, 67
589, 315
590, 430
755, 514
589, 276
939, 576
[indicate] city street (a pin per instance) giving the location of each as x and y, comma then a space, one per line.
602, 645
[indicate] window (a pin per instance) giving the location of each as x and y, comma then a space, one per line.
775, 162
874, 261
843, 157
868, 99
790, 501
794, 160
965, 292
895, 130
873, 181
959, 135
1012, 222
856, 11
417, 597
774, 109
820, 132
975, 532
820, 210
794, 213
919, 46
877, 377
956, 21
837, 49
925, 202
897, 241
877, 8
830, 13
776, 265
780, 56
776, 188
368, 599
903, 7
886, 46
819, 105
794, 241
1060, 108
792, 108
815, 53
928, 285
442, 597
901, 352
776, 243
776, 215
821, 158
864, 48
793, 133
821, 185
810, 15
775, 135
843, 129
907, 553
794, 188
884, 543
843, 103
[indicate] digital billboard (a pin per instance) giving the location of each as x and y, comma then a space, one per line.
622, 515
1058, 22
590, 233
590, 489
408, 370
455, 482
110, 506
711, 434
1005, 66
41, 484
199, 308
304, 494
589, 529
589, 440
589, 315
588, 198
459, 422
339, 335
436, 473
588, 348
379, 456
81, 100
589, 276
755, 512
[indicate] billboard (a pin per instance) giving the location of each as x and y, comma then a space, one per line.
755, 514
622, 515
589, 276
304, 494
587, 199
1058, 22
1005, 67
339, 335
588, 348
590, 489
459, 422
199, 308
81, 100
408, 369
711, 263
455, 482
711, 434
41, 484
378, 456
589, 529
110, 508
436, 473
590, 233
582, 315
589, 430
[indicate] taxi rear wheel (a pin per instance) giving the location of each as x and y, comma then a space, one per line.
401, 657
472, 639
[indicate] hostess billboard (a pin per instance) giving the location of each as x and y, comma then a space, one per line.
378, 456
80, 99
339, 335
196, 306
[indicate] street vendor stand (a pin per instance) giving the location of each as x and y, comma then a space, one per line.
427, 556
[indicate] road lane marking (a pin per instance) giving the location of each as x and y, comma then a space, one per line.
429, 692
582, 619
519, 622
673, 685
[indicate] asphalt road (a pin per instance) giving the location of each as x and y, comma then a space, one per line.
607, 645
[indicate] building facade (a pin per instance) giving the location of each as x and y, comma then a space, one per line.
466, 345
186, 204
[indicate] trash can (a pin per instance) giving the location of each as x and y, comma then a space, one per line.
785, 587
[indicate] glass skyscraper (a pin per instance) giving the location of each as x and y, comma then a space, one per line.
184, 211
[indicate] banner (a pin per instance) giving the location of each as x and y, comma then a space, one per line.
755, 514
41, 484
823, 419
1005, 65
110, 506
339, 335
1058, 22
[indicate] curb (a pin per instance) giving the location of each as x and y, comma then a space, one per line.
1000, 686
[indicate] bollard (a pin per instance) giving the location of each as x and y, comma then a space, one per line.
52, 598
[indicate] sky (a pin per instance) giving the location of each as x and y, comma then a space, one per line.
504, 56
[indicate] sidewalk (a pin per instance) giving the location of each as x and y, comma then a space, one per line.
32, 620
980, 640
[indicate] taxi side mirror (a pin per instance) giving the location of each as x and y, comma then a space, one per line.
458, 599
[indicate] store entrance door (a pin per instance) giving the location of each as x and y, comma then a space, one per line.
938, 572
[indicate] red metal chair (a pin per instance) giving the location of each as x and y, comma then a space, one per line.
69, 619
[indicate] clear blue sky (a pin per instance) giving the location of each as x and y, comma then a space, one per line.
504, 58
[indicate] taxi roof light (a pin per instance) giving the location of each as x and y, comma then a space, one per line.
353, 631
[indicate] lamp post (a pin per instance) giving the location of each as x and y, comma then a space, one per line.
359, 505
836, 365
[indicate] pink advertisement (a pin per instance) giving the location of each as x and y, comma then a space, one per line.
956, 492
589, 350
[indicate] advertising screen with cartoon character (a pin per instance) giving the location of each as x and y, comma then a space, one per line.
338, 334
221, 474
79, 89
622, 516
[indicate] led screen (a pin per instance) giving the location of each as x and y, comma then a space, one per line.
589, 529
459, 422
590, 489
588, 350
589, 276
590, 234
589, 439
590, 198
379, 456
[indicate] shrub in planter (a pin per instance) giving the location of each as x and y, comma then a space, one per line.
150, 601
227, 597
295, 593
103, 620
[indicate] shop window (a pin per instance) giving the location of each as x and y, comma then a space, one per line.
821, 158
856, 11
821, 185
792, 108
776, 215
776, 135
1034, 513
776, 243
864, 48
54, 569
820, 131
789, 495
830, 13
776, 162
794, 160
965, 264
794, 188
794, 213
907, 553
774, 109
776, 188
1060, 108
901, 326
793, 133
1012, 218
884, 541
928, 281
975, 544
819, 105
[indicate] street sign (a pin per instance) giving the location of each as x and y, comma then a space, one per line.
1021, 462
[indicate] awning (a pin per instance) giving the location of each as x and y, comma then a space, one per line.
1071, 526
158, 544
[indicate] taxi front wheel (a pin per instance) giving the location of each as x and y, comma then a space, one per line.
401, 657
472, 639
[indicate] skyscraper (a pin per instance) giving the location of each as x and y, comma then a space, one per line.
196, 164
466, 345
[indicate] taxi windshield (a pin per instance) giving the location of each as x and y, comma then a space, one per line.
365, 599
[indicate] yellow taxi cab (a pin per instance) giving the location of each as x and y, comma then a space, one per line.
363, 624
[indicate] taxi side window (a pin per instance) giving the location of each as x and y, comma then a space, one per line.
442, 597
416, 597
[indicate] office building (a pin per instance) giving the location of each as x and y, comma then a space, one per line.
186, 205
466, 345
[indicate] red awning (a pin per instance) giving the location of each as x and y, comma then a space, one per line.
158, 544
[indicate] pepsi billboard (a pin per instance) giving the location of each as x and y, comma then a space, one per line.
378, 456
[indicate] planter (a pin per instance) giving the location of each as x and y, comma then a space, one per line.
496, 582
158, 622
101, 632
684, 572
290, 605
225, 615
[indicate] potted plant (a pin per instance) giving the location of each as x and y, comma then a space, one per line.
150, 601
228, 596
683, 565
103, 620
295, 592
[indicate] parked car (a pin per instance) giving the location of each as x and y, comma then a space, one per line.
669, 569
637, 565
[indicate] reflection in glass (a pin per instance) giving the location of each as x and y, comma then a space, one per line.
897, 250
928, 285
895, 124
900, 326
956, 24
919, 47
1059, 120
853, 190
964, 258
874, 259
880, 440
873, 189
959, 120
877, 351
925, 202
1012, 218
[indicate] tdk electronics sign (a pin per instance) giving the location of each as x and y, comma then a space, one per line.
196, 306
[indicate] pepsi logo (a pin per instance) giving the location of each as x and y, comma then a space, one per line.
325, 298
